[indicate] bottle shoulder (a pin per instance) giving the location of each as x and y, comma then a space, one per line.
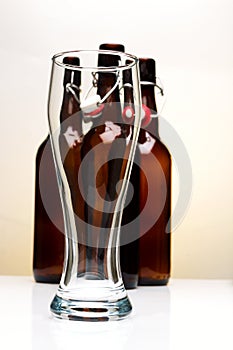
41, 148
43, 144
152, 143
162, 147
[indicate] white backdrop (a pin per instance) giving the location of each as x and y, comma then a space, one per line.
192, 42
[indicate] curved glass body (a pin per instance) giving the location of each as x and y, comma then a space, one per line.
93, 152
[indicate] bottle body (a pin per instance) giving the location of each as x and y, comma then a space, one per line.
48, 227
155, 243
129, 252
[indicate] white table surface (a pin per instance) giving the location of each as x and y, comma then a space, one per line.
187, 314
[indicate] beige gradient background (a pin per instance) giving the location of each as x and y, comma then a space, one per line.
192, 42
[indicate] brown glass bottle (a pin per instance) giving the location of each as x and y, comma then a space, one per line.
48, 251
99, 152
129, 251
154, 244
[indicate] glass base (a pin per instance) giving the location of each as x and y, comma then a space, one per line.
77, 310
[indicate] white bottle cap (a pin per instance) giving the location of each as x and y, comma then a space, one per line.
90, 104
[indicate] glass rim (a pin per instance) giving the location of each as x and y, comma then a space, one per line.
56, 57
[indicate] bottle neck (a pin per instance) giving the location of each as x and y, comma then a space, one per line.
69, 109
148, 99
112, 110
70, 105
128, 94
106, 82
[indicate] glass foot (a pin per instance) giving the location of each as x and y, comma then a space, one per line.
90, 311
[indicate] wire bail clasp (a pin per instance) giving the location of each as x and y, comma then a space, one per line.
71, 87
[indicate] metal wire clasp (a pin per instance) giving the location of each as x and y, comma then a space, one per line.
161, 89
70, 87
